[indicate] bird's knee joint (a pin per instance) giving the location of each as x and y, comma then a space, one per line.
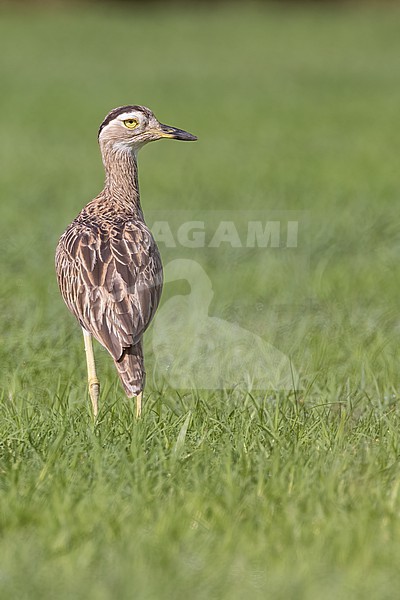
94, 382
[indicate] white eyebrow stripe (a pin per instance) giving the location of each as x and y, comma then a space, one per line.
127, 115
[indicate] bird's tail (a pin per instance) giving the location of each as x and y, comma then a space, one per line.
131, 371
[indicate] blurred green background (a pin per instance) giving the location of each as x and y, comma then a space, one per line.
296, 109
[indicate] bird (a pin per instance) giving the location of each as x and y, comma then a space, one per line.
108, 266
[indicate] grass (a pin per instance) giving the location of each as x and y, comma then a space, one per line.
212, 494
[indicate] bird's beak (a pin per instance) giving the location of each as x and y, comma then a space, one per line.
165, 131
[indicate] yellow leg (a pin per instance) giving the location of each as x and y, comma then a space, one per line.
94, 384
139, 405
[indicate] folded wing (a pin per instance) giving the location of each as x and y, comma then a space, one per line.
111, 280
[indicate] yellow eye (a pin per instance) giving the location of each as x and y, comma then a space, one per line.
131, 123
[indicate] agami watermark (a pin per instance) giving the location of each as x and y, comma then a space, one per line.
258, 234
193, 345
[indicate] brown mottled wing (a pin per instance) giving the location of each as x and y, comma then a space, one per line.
111, 280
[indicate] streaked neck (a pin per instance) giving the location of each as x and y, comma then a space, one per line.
121, 184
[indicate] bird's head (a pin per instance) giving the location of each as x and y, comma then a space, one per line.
130, 127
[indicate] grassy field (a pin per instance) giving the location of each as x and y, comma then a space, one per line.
212, 494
